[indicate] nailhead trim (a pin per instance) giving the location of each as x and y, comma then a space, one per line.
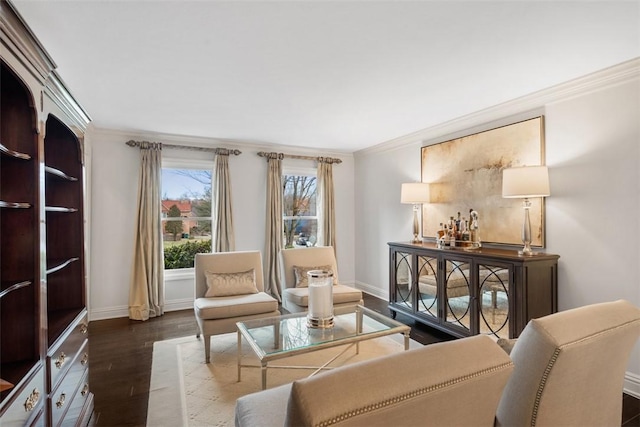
406, 396
554, 358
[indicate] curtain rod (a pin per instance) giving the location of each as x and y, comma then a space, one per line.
274, 155
223, 151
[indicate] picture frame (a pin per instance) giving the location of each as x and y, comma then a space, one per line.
465, 174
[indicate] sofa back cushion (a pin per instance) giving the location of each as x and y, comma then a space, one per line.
574, 356
452, 383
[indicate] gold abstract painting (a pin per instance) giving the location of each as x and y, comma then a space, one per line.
466, 173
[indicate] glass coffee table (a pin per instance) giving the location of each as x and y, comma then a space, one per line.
278, 337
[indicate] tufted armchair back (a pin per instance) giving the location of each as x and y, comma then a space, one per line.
321, 255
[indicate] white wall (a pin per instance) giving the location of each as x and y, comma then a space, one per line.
593, 152
113, 193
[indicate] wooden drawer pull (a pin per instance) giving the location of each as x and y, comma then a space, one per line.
85, 359
60, 402
85, 389
32, 400
60, 360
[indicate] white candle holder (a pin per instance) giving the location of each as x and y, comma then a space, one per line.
320, 299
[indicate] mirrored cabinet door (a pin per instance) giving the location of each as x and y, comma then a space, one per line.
427, 303
457, 285
493, 297
403, 278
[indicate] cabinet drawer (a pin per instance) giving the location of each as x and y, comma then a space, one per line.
41, 419
62, 397
27, 403
65, 351
77, 405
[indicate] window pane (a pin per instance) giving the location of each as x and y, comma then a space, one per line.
300, 232
299, 196
186, 215
300, 223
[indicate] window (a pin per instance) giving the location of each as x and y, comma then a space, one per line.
300, 218
186, 211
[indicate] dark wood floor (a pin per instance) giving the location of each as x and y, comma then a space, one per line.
121, 354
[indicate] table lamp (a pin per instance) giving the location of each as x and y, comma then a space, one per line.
415, 193
523, 183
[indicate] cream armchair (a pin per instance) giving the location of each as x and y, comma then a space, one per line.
570, 367
229, 288
295, 298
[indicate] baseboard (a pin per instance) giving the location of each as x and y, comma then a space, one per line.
123, 311
108, 313
632, 384
372, 290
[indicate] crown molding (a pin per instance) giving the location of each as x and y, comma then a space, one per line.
198, 141
18, 36
524, 105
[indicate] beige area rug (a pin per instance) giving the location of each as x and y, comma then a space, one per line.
185, 391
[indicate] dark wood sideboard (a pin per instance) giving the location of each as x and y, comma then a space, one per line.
469, 292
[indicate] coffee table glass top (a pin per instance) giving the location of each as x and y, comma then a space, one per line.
288, 334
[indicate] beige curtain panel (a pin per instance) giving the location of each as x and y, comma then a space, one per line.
146, 290
223, 235
326, 205
273, 234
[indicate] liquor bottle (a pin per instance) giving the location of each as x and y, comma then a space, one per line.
466, 236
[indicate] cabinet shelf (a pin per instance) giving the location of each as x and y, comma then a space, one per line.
57, 265
58, 173
15, 154
60, 209
14, 205
15, 373
14, 287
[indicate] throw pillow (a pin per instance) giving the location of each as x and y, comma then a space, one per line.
228, 284
302, 280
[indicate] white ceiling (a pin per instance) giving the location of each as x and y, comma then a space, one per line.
340, 75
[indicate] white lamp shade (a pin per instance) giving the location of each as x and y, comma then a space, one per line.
414, 193
529, 181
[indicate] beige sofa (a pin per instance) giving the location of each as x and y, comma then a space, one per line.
406, 388
568, 369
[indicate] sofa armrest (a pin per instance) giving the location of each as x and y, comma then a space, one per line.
267, 407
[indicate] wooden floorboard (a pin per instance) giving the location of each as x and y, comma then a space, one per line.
121, 353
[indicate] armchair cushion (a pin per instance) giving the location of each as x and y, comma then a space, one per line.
302, 280
341, 294
227, 284
234, 306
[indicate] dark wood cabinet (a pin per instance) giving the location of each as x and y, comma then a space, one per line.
21, 346
44, 350
469, 292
